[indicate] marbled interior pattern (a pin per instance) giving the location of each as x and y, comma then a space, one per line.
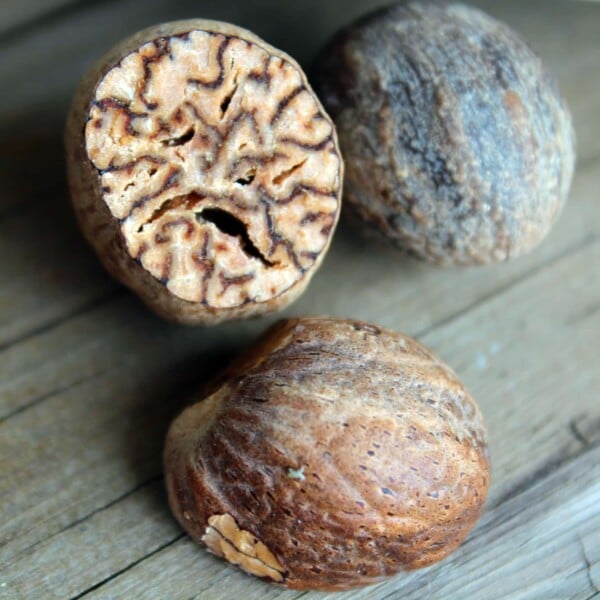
215, 165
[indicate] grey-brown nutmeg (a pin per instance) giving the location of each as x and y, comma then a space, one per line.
332, 455
458, 146
204, 171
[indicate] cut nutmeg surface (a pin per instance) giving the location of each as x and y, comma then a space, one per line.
204, 171
331, 455
458, 146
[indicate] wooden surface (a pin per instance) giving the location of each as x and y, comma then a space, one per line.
89, 379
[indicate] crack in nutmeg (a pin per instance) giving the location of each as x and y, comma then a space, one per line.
186, 201
225, 539
248, 178
227, 223
229, 97
223, 220
184, 138
286, 174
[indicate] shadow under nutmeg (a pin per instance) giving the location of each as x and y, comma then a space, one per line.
177, 366
58, 274
159, 398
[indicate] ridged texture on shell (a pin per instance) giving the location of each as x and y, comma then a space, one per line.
349, 451
458, 146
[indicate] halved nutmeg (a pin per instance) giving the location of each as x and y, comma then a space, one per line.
332, 455
204, 171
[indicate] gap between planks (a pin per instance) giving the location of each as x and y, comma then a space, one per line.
124, 570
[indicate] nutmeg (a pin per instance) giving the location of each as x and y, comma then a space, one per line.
332, 455
458, 146
204, 171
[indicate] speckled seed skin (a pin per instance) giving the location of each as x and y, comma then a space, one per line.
347, 451
458, 146
204, 171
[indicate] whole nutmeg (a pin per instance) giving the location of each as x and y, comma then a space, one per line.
458, 146
204, 171
332, 455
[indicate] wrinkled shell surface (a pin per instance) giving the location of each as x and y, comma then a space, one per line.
332, 455
204, 171
458, 146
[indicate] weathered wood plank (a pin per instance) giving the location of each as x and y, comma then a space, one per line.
529, 420
79, 449
89, 379
19, 14
96, 533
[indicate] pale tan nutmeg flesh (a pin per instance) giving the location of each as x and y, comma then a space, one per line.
204, 171
332, 455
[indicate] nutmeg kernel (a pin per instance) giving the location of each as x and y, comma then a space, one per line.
204, 171
459, 148
391, 448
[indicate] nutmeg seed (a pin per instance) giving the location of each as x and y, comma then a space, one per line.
204, 171
332, 455
458, 146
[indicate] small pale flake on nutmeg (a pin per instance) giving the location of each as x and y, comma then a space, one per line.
225, 539
332, 455
204, 171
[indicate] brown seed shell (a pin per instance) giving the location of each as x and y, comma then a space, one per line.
204, 171
348, 451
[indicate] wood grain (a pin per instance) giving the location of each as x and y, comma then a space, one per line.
89, 379
16, 16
